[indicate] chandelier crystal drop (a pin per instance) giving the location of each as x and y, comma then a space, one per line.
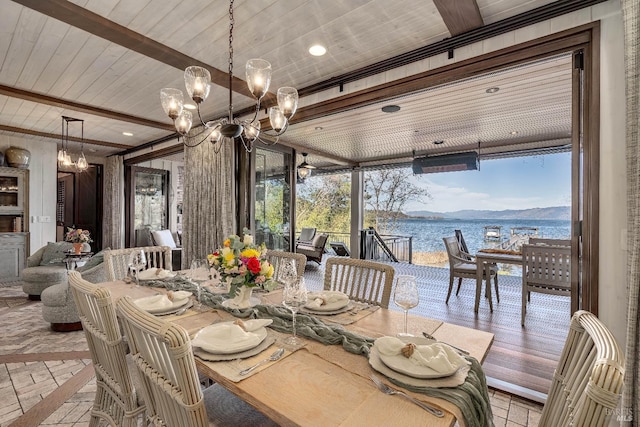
198, 84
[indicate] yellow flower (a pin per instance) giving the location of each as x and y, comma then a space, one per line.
229, 258
266, 269
227, 243
250, 253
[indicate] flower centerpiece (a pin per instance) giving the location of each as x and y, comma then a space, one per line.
78, 237
243, 266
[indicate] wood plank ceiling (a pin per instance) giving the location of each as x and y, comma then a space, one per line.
105, 61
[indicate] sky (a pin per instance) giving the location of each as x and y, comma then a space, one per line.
517, 183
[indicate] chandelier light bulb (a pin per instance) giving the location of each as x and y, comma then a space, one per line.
277, 119
183, 122
82, 164
288, 101
258, 73
215, 135
251, 129
61, 156
172, 102
197, 81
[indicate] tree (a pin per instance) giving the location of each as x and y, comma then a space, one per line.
324, 202
387, 191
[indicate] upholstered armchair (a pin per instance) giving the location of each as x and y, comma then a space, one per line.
314, 250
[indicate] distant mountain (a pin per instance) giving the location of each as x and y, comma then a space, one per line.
557, 212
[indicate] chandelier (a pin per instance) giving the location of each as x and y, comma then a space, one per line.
64, 158
197, 81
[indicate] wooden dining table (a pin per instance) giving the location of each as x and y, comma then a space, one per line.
324, 385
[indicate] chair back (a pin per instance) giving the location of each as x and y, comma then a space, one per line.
546, 269
453, 252
549, 242
116, 261
277, 257
307, 235
116, 399
462, 244
163, 359
588, 380
362, 280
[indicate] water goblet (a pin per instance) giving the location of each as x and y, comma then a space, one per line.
137, 262
199, 272
287, 272
294, 296
406, 297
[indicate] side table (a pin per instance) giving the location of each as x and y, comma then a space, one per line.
72, 259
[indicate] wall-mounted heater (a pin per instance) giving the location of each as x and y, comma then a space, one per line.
466, 161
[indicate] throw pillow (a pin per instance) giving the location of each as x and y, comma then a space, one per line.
54, 253
93, 261
163, 238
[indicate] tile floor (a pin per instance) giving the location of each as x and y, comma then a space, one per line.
46, 377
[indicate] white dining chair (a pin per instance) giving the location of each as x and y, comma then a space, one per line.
363, 280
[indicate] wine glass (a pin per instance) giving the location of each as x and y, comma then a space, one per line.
199, 272
406, 297
137, 262
294, 296
287, 273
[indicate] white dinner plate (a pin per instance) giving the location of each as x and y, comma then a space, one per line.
156, 304
227, 338
332, 306
402, 364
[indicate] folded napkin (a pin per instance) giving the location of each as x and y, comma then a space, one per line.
155, 273
437, 356
318, 299
228, 335
154, 302
178, 295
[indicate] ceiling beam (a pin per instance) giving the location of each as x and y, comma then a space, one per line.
56, 136
459, 16
92, 23
84, 108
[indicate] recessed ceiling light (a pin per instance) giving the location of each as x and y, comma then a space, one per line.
127, 133
189, 106
391, 108
438, 142
514, 132
92, 150
493, 89
317, 50
318, 128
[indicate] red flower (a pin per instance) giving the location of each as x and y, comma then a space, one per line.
254, 265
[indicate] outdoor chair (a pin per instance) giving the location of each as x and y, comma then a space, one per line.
277, 257
116, 401
363, 280
463, 266
163, 359
306, 236
545, 269
117, 261
588, 381
314, 250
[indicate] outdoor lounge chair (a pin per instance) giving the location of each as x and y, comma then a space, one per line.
314, 250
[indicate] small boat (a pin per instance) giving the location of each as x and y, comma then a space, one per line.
492, 232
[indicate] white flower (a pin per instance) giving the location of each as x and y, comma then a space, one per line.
248, 239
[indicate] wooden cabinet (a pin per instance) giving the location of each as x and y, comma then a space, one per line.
14, 222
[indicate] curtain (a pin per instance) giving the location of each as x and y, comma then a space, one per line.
113, 214
631, 393
209, 199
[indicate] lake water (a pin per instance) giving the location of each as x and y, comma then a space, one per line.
427, 234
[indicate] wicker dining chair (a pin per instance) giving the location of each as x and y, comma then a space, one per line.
116, 261
588, 381
362, 280
116, 401
277, 257
163, 358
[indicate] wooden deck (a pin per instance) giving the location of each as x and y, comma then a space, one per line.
521, 360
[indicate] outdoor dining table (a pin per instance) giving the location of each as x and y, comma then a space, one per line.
484, 261
324, 385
